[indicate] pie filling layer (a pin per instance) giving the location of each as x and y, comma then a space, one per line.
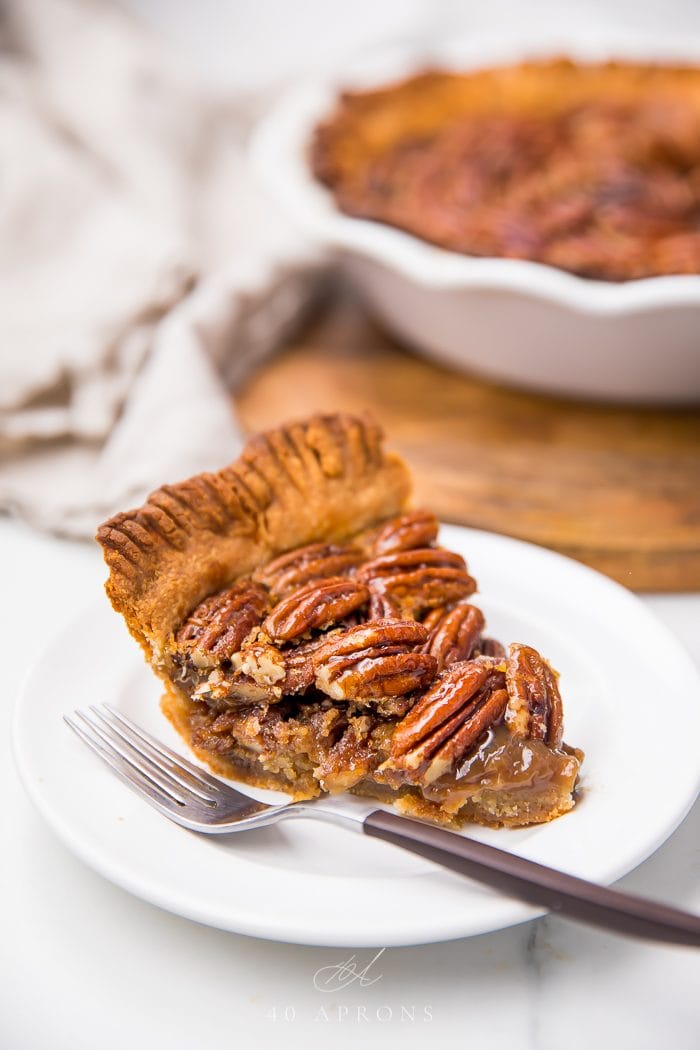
365, 666
594, 169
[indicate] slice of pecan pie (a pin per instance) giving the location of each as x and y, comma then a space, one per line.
313, 635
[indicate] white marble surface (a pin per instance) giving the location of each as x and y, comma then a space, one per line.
84, 966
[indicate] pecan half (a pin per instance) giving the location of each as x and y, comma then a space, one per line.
447, 721
224, 690
298, 662
260, 660
300, 566
219, 624
454, 633
419, 528
315, 606
382, 606
492, 647
420, 579
374, 660
534, 702
408, 561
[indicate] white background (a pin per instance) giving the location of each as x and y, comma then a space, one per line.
248, 44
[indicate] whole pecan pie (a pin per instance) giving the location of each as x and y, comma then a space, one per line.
313, 636
591, 168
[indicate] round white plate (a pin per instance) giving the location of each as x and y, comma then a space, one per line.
631, 701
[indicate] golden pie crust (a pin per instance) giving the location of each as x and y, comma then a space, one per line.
324, 478
313, 635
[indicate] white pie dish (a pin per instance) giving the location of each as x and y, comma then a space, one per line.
295, 882
517, 322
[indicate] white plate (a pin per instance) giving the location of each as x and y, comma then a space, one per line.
631, 701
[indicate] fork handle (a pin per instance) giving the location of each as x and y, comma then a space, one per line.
536, 884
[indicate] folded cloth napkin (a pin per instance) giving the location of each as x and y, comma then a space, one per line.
142, 273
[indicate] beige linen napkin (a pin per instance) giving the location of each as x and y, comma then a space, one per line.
142, 273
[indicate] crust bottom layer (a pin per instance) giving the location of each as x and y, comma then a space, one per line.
293, 773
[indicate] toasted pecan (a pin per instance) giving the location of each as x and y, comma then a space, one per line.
219, 624
315, 606
454, 633
419, 528
534, 702
298, 567
493, 648
416, 580
448, 720
374, 660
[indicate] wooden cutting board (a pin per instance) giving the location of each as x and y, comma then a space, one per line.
615, 487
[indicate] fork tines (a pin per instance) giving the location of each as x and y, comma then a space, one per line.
141, 760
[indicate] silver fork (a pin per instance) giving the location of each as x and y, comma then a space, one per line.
185, 793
